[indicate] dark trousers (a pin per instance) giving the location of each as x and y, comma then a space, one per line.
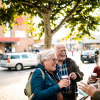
96, 60
68, 97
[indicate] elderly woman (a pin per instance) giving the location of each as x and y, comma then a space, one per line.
50, 89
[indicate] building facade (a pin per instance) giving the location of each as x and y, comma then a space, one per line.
90, 44
16, 40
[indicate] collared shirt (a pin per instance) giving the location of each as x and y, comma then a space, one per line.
65, 71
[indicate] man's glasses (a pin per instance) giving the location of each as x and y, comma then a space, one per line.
55, 60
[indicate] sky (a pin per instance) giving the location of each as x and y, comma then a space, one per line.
59, 34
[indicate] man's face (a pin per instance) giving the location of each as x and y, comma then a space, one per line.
61, 52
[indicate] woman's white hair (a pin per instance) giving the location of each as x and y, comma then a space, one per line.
45, 54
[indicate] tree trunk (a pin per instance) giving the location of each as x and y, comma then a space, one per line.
48, 41
47, 31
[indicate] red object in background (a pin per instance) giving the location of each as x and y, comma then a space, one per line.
9, 39
8, 59
72, 52
19, 20
90, 55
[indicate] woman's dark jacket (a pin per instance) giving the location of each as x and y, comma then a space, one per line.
47, 89
72, 66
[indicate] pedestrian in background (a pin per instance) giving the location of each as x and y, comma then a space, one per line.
24, 50
72, 52
67, 66
96, 56
51, 87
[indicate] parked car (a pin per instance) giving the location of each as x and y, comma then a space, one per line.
18, 60
88, 56
0, 56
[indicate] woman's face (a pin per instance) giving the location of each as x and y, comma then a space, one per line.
50, 64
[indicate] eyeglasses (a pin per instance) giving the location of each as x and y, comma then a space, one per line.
55, 60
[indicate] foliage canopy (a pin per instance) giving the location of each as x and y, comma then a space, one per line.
74, 14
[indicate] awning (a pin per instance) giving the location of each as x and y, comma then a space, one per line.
9, 39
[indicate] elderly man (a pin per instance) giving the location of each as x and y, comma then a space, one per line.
67, 66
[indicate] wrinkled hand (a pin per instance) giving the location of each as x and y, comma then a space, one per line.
73, 76
90, 90
64, 83
90, 80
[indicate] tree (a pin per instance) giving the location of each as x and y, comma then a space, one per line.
75, 14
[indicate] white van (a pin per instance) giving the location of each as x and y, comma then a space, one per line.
18, 60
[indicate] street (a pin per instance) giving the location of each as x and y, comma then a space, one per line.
12, 83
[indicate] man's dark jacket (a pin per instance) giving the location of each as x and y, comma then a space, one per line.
72, 66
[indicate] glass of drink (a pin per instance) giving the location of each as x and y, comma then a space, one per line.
94, 76
65, 77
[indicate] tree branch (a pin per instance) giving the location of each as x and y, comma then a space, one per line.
34, 6
66, 18
61, 8
51, 4
41, 3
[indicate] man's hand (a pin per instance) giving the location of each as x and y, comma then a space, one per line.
73, 76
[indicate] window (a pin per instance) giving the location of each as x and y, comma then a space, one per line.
15, 56
4, 57
8, 32
30, 48
24, 56
8, 4
30, 35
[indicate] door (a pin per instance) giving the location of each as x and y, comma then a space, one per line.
7, 47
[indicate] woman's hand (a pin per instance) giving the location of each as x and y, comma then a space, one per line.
64, 83
90, 90
90, 80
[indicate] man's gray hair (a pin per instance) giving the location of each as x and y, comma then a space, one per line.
45, 54
55, 46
